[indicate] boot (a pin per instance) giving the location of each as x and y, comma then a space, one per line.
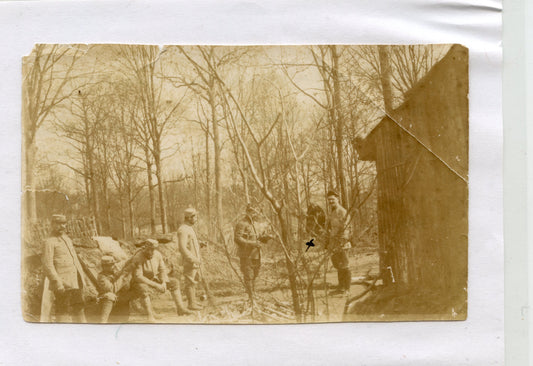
347, 279
105, 310
248, 289
191, 295
147, 302
180, 306
339, 289
78, 315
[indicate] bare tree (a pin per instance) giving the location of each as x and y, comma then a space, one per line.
124, 162
207, 62
88, 113
407, 65
140, 65
256, 163
326, 61
48, 82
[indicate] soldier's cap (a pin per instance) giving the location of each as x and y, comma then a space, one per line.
151, 243
60, 219
107, 260
332, 193
190, 211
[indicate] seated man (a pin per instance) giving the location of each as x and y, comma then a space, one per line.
112, 292
149, 275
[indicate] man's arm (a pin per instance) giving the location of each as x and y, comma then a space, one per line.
139, 277
129, 265
163, 271
187, 254
104, 284
240, 237
344, 233
48, 264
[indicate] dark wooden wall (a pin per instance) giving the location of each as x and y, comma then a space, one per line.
421, 156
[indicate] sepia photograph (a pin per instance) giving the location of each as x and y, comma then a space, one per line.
244, 184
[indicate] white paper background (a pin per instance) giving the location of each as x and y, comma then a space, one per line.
475, 24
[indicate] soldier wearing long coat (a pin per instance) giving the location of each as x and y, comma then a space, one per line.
191, 257
64, 273
249, 249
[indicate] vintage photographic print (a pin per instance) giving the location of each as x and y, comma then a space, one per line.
244, 184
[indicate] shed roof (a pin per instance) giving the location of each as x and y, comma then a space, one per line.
435, 112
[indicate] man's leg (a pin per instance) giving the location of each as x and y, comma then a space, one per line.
147, 303
142, 291
346, 273
121, 308
175, 291
337, 261
247, 275
78, 306
62, 303
190, 287
256, 266
106, 306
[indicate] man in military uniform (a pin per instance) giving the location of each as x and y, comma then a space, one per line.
112, 290
149, 275
249, 249
338, 242
64, 272
190, 252
106, 287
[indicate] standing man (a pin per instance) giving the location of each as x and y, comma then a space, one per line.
190, 251
338, 242
64, 271
249, 249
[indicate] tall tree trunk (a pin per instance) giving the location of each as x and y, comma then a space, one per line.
161, 192
29, 185
339, 126
217, 148
130, 210
94, 192
386, 86
208, 183
122, 217
331, 166
107, 205
283, 153
301, 219
150, 189
386, 253
245, 181
290, 267
131, 222
195, 173
30, 148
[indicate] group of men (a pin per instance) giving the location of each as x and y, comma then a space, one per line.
145, 273
141, 276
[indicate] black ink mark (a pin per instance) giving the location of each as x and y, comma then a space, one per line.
310, 244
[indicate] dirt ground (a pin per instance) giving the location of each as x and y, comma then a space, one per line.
229, 302
272, 306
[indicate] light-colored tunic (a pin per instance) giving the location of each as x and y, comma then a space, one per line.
339, 231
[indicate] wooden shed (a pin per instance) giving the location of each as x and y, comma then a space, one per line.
421, 156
